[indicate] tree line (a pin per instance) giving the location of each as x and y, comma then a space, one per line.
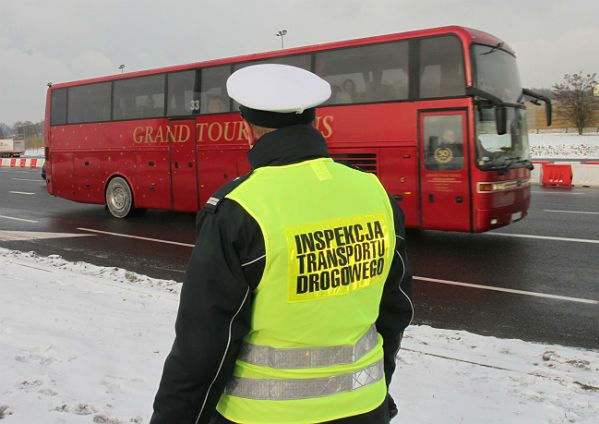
577, 98
31, 132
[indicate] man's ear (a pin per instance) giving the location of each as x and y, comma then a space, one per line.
250, 136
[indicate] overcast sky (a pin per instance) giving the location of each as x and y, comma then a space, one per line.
63, 40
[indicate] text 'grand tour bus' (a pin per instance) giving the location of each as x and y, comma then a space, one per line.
437, 114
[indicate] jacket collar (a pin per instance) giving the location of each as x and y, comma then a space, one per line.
287, 145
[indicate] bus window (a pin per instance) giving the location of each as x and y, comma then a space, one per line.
213, 95
496, 72
137, 98
441, 68
366, 74
443, 142
301, 61
59, 107
89, 103
183, 93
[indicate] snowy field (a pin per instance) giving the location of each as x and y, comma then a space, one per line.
34, 153
564, 146
86, 344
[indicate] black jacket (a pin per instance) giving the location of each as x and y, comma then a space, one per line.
225, 266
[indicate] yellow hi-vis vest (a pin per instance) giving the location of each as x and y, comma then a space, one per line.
312, 353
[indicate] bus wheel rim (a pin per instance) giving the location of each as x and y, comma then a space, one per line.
119, 199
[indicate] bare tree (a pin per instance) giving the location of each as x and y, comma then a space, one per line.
22, 128
575, 98
32, 133
5, 130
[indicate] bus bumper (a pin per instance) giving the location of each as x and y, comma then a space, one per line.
485, 220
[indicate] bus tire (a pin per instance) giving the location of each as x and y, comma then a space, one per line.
119, 198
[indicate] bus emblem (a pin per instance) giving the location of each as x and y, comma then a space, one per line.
443, 155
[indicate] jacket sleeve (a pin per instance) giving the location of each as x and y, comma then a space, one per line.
396, 309
213, 317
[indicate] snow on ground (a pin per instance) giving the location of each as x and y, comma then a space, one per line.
34, 153
562, 146
86, 344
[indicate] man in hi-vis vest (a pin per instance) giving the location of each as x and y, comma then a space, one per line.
298, 289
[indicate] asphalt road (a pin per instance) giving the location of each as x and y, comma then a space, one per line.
536, 280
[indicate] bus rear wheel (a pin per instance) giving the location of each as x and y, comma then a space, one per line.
119, 198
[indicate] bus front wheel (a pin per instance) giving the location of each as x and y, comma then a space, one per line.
119, 198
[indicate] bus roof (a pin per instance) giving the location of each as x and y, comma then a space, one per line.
467, 35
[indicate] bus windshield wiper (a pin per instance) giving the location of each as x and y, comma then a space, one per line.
509, 161
503, 163
495, 47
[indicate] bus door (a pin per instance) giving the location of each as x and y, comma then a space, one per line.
444, 164
182, 153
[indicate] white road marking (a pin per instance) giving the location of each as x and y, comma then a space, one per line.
577, 240
176, 243
18, 219
30, 235
21, 192
557, 192
433, 280
506, 290
28, 179
579, 212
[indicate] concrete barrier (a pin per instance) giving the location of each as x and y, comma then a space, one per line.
585, 175
22, 162
535, 174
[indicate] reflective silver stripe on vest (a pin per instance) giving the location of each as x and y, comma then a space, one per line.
293, 389
313, 357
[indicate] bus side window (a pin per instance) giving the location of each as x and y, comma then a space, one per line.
213, 95
89, 103
137, 98
443, 143
441, 68
183, 93
58, 111
303, 61
366, 74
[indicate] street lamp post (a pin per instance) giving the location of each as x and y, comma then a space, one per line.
122, 67
282, 33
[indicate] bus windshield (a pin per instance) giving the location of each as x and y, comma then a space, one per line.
496, 72
501, 151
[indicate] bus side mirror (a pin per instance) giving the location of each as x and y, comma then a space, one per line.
548, 113
546, 100
501, 119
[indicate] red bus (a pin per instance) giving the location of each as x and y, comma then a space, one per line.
437, 114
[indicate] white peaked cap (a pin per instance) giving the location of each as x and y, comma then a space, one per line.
277, 88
